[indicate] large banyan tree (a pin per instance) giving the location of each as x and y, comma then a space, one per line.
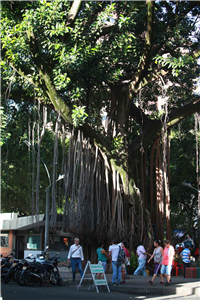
119, 74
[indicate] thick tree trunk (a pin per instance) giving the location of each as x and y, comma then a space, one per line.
117, 206
159, 195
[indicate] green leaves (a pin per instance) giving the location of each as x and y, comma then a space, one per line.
79, 115
3, 127
176, 63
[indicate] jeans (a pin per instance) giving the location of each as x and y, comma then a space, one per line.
76, 262
104, 264
185, 265
116, 266
141, 267
166, 269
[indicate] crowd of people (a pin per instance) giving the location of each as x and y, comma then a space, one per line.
119, 257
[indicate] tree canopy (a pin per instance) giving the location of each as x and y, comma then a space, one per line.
88, 48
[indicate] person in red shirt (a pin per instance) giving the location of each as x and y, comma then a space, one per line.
168, 256
124, 270
180, 248
196, 254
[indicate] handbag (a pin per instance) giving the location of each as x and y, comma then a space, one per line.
75, 251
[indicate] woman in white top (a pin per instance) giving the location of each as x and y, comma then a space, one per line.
142, 256
157, 255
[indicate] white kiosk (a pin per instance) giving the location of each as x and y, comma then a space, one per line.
94, 269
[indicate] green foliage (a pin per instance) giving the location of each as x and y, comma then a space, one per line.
184, 201
178, 259
176, 63
79, 115
133, 262
17, 162
117, 144
3, 127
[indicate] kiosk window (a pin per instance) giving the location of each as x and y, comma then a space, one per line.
33, 242
5, 239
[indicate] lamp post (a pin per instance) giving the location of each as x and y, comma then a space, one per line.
47, 198
190, 186
47, 211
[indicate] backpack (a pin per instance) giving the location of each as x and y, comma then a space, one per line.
121, 255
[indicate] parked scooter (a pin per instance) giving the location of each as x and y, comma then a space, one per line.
41, 270
5, 264
19, 276
15, 267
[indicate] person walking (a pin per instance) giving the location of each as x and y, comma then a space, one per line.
102, 257
185, 255
142, 256
127, 258
76, 256
116, 266
157, 255
168, 256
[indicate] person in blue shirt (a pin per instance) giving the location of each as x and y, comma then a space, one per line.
102, 257
185, 255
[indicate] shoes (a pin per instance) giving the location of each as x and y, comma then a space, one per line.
122, 282
167, 283
150, 282
161, 282
113, 284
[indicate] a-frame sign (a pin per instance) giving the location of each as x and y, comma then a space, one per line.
94, 270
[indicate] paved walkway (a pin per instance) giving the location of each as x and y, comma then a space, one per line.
138, 285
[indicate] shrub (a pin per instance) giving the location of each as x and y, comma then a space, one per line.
133, 262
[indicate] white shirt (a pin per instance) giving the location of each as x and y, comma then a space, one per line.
76, 254
114, 252
140, 252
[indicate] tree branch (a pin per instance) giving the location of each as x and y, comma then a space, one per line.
138, 115
21, 72
145, 60
93, 16
196, 53
181, 113
101, 32
73, 12
152, 129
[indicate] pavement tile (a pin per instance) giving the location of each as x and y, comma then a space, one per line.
138, 285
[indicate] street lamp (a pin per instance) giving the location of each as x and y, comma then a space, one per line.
47, 211
190, 186
47, 198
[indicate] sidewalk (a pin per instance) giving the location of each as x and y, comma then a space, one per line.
138, 285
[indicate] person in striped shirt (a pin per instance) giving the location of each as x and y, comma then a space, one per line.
185, 255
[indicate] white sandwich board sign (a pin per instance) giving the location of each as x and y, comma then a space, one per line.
94, 270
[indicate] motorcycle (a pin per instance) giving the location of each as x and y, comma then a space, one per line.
15, 267
19, 274
41, 270
5, 265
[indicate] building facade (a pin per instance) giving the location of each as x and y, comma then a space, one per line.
26, 235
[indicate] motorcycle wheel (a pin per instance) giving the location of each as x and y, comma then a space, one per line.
53, 278
19, 278
60, 281
28, 280
7, 278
